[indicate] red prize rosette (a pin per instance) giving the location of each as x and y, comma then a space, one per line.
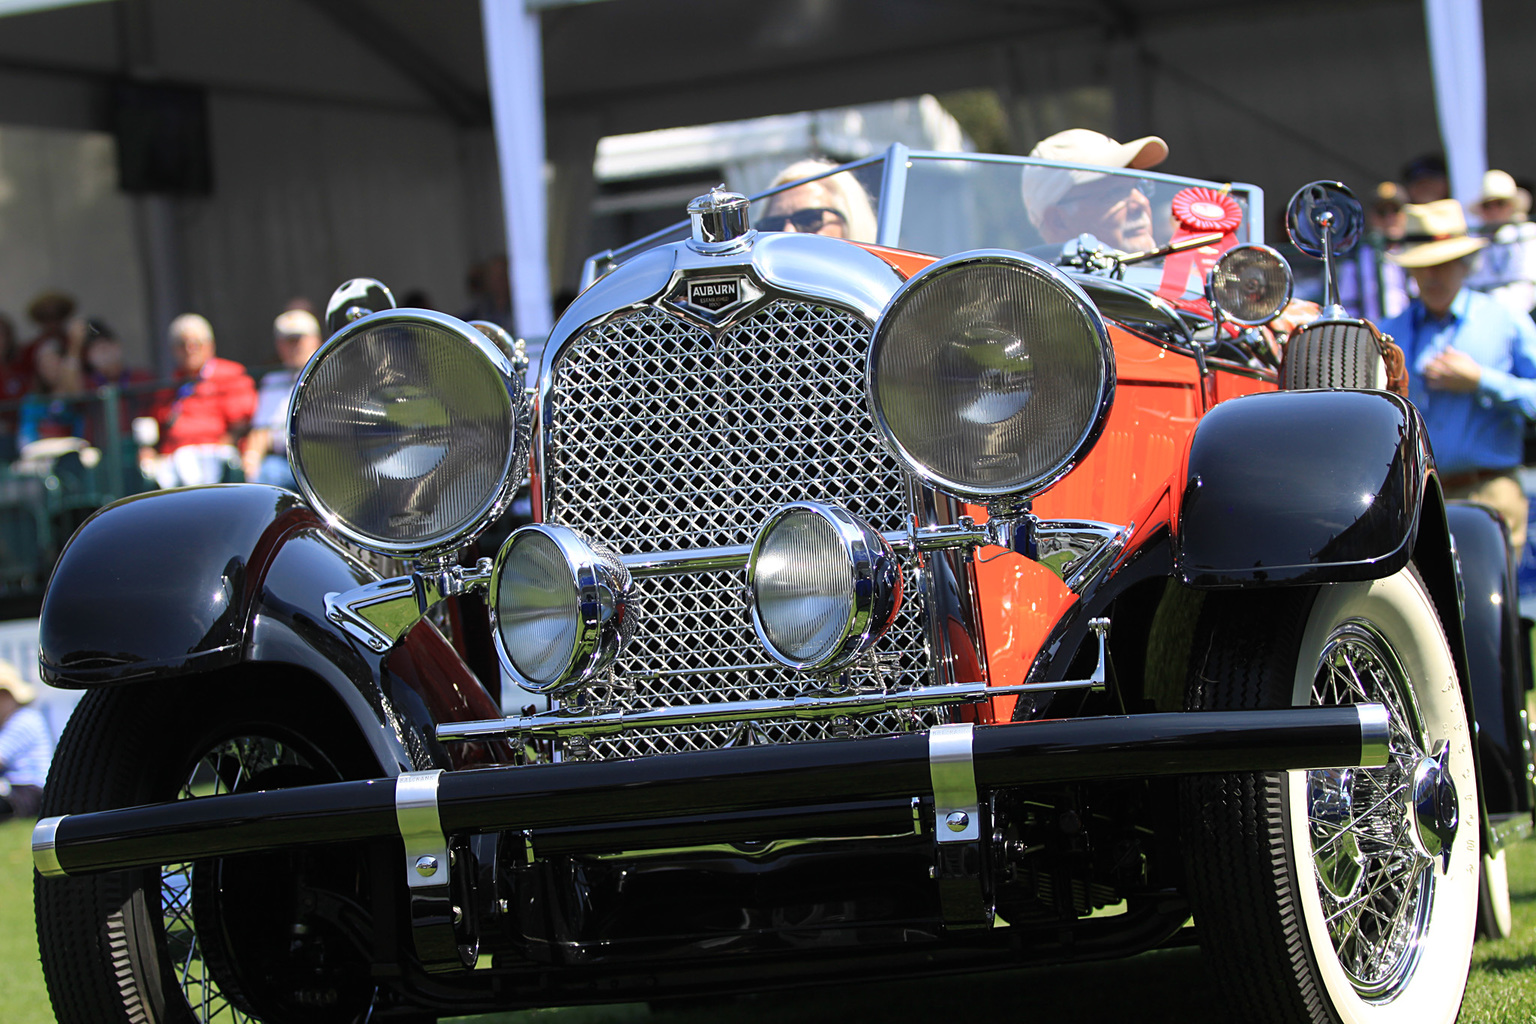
1198, 211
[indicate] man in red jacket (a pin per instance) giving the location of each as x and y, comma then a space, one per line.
205, 416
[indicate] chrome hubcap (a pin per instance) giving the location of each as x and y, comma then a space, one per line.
1433, 808
1373, 829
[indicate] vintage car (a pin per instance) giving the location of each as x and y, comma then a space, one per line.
958, 596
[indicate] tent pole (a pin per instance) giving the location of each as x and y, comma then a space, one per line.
515, 66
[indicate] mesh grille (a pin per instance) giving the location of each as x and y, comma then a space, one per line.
666, 439
1333, 355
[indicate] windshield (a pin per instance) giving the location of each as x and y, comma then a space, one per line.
944, 203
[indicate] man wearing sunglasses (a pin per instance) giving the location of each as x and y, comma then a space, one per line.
1115, 209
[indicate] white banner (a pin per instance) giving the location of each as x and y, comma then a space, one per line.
1455, 30
514, 62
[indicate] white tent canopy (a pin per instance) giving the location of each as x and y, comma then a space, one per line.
360, 136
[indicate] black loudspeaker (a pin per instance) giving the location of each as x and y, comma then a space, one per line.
162, 138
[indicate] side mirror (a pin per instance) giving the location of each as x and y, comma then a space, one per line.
1325, 221
354, 300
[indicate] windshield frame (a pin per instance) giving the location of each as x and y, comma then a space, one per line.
892, 200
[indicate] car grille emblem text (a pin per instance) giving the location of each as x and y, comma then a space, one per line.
714, 293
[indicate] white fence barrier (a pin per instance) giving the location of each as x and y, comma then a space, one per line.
18, 645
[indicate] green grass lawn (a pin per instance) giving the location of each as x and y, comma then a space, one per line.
1166, 986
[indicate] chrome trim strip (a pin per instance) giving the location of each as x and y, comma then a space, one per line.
952, 769
752, 851
1375, 735
1078, 551
808, 706
44, 855
939, 537
421, 829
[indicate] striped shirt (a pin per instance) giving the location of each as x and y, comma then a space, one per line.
25, 748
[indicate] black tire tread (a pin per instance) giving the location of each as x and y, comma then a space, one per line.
1235, 846
83, 922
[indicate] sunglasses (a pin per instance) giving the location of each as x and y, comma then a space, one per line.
807, 221
1109, 192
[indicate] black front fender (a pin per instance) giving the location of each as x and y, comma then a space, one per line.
197, 581
1301, 487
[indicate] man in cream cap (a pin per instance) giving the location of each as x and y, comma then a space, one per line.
25, 747
1508, 268
1063, 204
296, 336
1471, 364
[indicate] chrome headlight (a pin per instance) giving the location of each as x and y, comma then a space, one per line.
825, 586
408, 431
989, 374
559, 608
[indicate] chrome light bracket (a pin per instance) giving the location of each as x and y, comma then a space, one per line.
378, 614
1078, 551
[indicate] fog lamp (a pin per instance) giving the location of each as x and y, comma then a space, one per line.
559, 608
1250, 284
824, 586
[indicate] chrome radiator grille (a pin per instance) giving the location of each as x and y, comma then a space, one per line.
663, 438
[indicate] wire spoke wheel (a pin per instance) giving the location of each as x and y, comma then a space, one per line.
276, 936
233, 766
1377, 922
1337, 895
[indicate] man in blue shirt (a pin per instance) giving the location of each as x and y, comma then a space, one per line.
26, 747
1471, 364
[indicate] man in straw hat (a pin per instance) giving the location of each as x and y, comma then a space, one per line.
1508, 268
1471, 364
25, 747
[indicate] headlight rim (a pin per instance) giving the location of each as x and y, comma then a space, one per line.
598, 639
1250, 247
872, 609
497, 502
1105, 359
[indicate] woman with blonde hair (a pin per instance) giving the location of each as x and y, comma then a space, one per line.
835, 205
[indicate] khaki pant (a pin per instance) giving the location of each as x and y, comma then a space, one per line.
1505, 496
